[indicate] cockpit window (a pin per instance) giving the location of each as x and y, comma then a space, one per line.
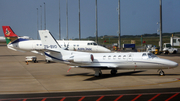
94, 43
150, 55
144, 54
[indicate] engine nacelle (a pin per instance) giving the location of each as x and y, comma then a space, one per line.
84, 58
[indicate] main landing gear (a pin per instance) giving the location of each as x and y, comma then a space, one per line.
97, 72
113, 71
161, 72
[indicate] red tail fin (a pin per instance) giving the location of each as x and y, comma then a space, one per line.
8, 32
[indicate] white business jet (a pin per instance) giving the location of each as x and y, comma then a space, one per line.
102, 61
23, 44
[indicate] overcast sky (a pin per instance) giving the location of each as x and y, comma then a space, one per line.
137, 17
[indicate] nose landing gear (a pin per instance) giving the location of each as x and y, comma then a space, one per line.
161, 72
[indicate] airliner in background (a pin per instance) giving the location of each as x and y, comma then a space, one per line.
23, 44
2, 39
103, 61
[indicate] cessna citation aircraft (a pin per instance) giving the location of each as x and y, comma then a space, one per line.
22, 44
102, 61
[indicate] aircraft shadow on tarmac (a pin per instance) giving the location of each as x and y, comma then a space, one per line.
106, 76
9, 55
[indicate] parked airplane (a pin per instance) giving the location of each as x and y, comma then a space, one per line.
102, 61
23, 44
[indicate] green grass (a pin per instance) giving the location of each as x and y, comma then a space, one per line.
127, 40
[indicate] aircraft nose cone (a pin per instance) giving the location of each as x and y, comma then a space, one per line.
173, 64
108, 50
105, 50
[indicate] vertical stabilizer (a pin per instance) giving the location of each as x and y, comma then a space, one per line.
49, 41
9, 34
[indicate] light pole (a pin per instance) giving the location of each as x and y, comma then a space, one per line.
44, 16
160, 25
119, 25
67, 18
96, 24
37, 23
59, 22
41, 16
79, 23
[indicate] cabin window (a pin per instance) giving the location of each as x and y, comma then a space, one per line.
144, 54
124, 56
40, 44
78, 45
88, 43
104, 57
109, 56
37, 44
119, 57
114, 57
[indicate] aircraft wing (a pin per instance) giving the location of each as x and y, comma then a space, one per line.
38, 52
101, 67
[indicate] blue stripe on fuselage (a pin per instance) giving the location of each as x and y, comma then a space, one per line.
54, 57
19, 40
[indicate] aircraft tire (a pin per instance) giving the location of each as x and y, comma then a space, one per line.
161, 73
100, 74
113, 72
34, 60
47, 61
174, 52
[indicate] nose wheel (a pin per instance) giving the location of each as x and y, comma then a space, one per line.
161, 72
98, 72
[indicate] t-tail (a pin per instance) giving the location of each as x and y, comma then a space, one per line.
9, 34
50, 43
